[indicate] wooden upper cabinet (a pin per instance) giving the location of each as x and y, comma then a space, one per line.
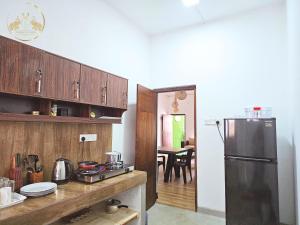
10, 57
93, 86
25, 70
117, 92
60, 78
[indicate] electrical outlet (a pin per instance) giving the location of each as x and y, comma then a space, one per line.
211, 122
87, 137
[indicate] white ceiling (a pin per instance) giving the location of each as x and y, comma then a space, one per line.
157, 16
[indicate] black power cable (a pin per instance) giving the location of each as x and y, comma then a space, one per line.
82, 149
218, 126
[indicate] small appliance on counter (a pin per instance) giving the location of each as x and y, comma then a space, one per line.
100, 173
113, 157
62, 171
114, 160
91, 172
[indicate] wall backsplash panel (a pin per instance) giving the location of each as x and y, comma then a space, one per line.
51, 141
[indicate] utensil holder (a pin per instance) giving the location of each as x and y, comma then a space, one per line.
36, 177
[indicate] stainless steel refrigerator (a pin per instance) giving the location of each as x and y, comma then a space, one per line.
251, 178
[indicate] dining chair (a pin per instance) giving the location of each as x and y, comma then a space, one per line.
161, 162
185, 161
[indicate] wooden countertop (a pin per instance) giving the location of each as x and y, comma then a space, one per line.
68, 198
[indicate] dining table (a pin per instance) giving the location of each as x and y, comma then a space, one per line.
172, 152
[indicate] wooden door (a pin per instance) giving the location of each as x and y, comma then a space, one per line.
10, 56
117, 89
60, 78
93, 85
145, 149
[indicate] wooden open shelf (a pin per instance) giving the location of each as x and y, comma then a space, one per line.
56, 119
97, 215
121, 217
19, 108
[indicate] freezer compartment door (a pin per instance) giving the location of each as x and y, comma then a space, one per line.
253, 138
251, 193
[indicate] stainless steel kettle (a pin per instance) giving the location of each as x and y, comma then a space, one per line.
62, 171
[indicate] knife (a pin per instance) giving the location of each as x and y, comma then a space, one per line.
18, 160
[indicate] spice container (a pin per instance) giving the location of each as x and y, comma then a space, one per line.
54, 110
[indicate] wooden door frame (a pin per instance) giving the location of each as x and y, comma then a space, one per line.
186, 88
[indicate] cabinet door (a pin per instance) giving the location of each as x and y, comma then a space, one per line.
117, 89
30, 75
19, 64
49, 69
60, 78
93, 86
10, 56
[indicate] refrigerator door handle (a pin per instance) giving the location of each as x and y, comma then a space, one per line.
248, 159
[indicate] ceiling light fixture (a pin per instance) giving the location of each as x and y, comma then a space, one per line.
175, 105
190, 3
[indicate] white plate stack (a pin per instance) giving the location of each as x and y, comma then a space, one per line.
38, 189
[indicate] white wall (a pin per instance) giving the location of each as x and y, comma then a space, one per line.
94, 34
235, 62
162, 108
186, 107
293, 15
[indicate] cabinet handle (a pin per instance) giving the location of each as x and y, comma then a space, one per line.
77, 89
104, 95
124, 99
39, 86
74, 86
39, 81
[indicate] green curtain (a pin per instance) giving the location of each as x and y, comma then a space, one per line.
178, 130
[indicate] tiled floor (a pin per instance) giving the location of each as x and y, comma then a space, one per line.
167, 215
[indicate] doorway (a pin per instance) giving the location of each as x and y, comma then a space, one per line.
176, 133
167, 186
